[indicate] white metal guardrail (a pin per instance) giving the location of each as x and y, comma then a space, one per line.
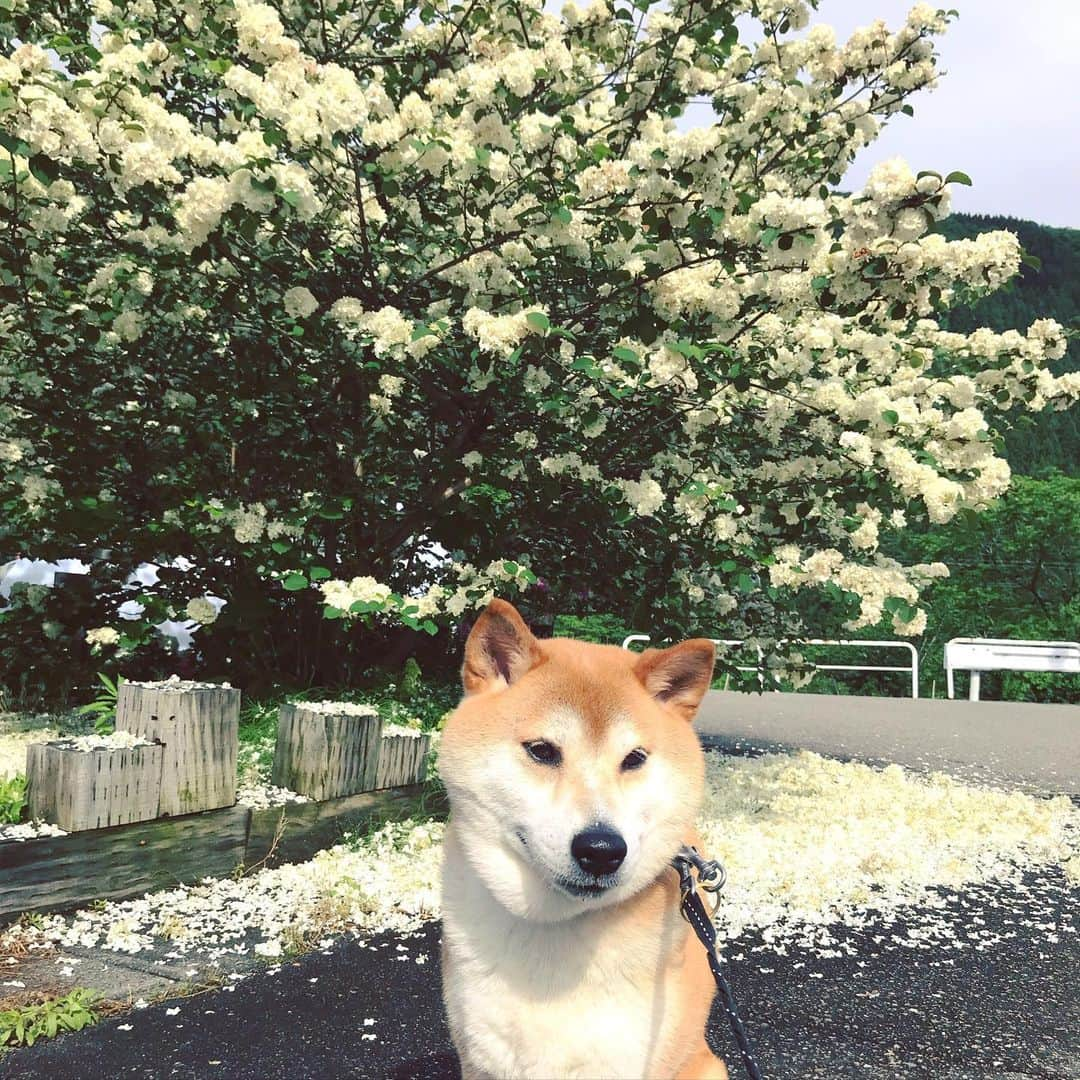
912, 668
1001, 654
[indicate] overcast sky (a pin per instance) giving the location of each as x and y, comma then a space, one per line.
1006, 111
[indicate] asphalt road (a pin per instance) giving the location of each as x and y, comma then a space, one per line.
1034, 748
1000, 1000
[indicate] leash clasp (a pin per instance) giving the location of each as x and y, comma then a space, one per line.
711, 876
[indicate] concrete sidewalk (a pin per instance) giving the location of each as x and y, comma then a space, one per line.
1032, 747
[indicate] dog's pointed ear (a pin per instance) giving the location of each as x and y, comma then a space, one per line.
678, 677
500, 649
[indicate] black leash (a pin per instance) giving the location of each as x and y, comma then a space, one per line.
711, 877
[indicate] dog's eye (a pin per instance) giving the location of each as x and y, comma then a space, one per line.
543, 752
634, 760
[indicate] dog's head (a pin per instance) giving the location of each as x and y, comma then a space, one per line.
572, 769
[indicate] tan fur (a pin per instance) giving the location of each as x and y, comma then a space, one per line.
539, 982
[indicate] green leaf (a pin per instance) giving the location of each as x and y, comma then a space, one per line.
890, 416
588, 365
295, 582
896, 605
318, 573
538, 320
13, 145
958, 178
44, 169
280, 546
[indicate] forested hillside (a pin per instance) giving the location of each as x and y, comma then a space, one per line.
1051, 441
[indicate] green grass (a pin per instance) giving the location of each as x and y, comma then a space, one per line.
24, 1025
12, 800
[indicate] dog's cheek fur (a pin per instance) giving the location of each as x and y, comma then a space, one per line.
490, 799
664, 807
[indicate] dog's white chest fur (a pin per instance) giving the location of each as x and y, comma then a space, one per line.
566, 999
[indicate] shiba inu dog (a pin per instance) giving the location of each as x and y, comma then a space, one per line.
573, 776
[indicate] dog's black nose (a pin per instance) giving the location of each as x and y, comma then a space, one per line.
598, 850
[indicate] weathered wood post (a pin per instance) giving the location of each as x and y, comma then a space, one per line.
199, 724
326, 749
77, 785
402, 757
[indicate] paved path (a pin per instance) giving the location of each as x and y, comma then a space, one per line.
1032, 747
1001, 1003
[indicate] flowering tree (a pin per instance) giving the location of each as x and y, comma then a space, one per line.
370, 310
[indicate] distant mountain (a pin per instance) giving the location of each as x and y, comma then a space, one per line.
1050, 440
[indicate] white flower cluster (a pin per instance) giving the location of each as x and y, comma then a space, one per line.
499, 334
202, 610
102, 637
645, 495
299, 302
250, 523
475, 588
513, 258
874, 584
360, 590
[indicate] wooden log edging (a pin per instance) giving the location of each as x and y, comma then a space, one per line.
199, 724
402, 759
79, 789
326, 749
58, 873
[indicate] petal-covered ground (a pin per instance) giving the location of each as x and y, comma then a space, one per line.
877, 924
812, 846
